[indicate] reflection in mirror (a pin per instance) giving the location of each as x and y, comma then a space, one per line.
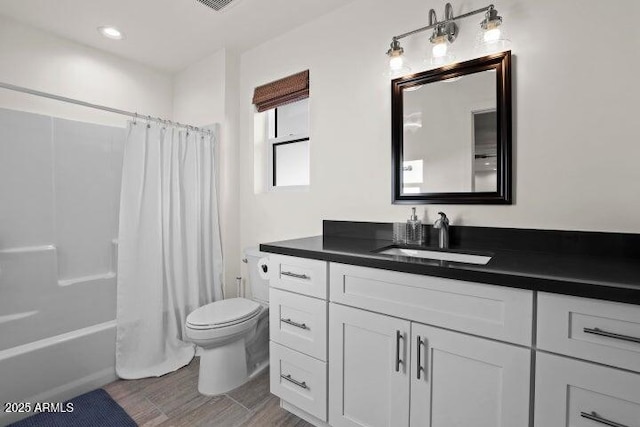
485, 165
449, 135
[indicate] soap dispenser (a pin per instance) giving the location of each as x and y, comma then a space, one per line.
414, 229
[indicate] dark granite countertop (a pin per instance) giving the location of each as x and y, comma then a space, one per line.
601, 276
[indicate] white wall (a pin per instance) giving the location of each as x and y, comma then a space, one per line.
198, 91
206, 93
575, 126
41, 61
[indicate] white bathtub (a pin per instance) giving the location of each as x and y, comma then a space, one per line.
57, 339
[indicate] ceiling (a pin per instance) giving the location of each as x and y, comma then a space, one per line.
168, 34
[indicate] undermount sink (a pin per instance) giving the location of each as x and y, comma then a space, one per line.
442, 256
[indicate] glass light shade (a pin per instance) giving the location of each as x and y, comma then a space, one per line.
492, 39
398, 66
440, 51
492, 35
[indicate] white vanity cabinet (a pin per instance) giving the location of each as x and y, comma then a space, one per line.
378, 348
388, 372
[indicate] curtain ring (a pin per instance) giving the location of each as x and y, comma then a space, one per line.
135, 118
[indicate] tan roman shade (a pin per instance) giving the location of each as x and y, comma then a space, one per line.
281, 92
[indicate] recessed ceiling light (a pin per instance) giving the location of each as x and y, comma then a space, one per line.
111, 32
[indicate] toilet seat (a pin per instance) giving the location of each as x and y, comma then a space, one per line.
220, 314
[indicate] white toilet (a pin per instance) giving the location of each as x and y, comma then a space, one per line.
232, 335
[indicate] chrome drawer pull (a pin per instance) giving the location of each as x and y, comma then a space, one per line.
419, 368
595, 417
296, 324
399, 361
302, 384
596, 331
297, 276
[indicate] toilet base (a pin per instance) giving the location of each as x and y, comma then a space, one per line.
222, 368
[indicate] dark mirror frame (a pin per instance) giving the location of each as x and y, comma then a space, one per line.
501, 62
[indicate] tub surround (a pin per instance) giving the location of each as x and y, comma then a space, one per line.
587, 264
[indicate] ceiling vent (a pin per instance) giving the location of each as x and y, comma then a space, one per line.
215, 4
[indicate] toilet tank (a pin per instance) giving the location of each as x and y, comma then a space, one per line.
257, 286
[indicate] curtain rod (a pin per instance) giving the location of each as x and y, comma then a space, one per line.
100, 107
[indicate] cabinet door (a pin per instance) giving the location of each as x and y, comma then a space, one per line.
461, 381
368, 369
572, 393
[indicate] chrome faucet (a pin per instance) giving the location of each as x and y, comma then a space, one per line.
442, 224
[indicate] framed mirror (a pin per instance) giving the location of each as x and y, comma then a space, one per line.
451, 134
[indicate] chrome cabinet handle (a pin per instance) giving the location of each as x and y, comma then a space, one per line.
297, 276
419, 368
597, 331
302, 384
399, 336
296, 324
595, 417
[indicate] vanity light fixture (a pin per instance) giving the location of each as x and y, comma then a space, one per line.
397, 61
492, 36
491, 26
444, 34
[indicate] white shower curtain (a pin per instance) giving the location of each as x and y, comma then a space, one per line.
169, 254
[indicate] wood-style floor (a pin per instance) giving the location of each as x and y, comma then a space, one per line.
173, 400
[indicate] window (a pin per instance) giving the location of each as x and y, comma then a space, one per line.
288, 139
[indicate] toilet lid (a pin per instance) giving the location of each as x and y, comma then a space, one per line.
222, 313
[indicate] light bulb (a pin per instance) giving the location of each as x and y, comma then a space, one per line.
492, 35
396, 63
439, 50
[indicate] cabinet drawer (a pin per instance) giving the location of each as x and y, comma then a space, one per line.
299, 275
298, 322
601, 331
486, 310
299, 380
572, 393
